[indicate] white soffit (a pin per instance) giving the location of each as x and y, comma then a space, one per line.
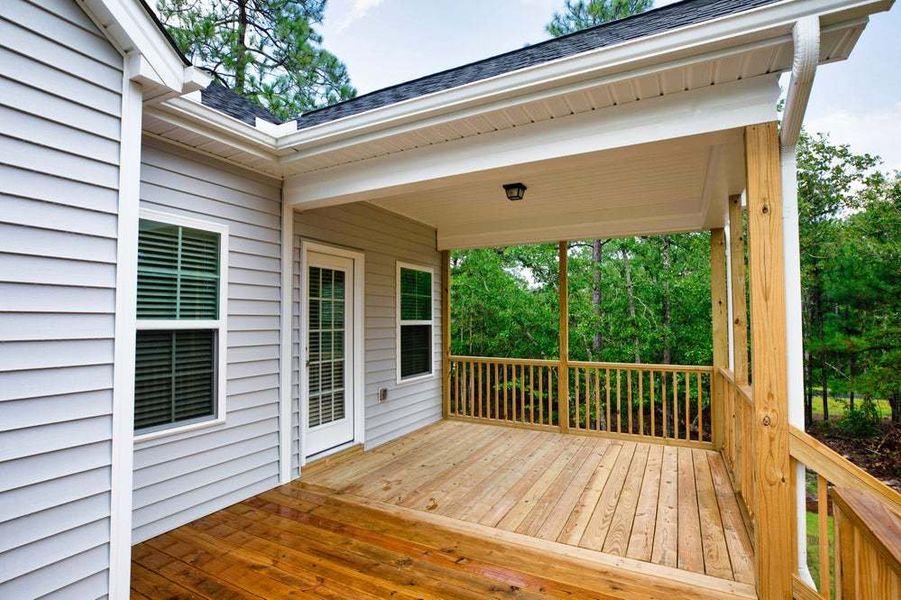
676, 185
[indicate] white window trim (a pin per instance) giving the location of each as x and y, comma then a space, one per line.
431, 322
220, 324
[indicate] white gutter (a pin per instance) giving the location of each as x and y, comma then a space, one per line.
806, 37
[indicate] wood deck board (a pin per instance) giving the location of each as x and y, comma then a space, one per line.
472, 511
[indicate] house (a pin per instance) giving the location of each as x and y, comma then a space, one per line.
200, 304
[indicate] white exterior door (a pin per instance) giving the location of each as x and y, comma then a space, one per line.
328, 367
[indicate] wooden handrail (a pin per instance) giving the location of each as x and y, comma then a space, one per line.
841, 472
868, 545
507, 361
875, 520
641, 366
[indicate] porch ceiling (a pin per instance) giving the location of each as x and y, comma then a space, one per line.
669, 186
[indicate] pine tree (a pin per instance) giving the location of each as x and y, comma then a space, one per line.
265, 50
579, 14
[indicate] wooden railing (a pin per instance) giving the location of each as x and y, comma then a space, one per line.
866, 514
869, 545
669, 402
658, 401
737, 440
509, 390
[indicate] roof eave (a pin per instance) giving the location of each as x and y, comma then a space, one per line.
723, 32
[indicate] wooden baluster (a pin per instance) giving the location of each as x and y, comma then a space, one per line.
653, 383
513, 390
629, 398
522, 385
597, 399
506, 381
640, 401
619, 404
531, 394
675, 405
550, 395
587, 398
541, 395
576, 422
700, 409
479, 386
607, 391
687, 406
663, 421
497, 391
823, 539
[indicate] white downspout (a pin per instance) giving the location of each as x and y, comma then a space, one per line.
806, 38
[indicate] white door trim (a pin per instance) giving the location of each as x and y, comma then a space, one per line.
358, 378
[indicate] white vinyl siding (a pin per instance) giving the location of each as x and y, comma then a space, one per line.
184, 476
60, 97
384, 238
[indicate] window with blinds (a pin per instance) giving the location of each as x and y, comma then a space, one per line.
414, 321
178, 328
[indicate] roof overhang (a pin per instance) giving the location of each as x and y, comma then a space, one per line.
150, 58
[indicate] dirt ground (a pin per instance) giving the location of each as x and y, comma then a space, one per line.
880, 455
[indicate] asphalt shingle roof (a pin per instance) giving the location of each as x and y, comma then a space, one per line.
665, 18
653, 21
234, 105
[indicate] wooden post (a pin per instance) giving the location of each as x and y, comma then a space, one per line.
445, 333
563, 376
771, 464
739, 303
720, 314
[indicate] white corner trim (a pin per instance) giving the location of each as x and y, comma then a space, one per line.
397, 323
285, 354
220, 324
121, 469
273, 129
359, 304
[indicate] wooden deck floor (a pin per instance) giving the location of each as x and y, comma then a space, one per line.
460, 510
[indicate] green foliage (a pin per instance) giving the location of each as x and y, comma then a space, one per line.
862, 420
266, 50
850, 222
580, 14
505, 302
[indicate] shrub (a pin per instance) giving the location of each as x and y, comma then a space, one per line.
861, 421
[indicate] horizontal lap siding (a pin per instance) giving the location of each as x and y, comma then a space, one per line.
185, 476
384, 238
60, 97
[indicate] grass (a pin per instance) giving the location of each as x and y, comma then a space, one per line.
813, 549
839, 406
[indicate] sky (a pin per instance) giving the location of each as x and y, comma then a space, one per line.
385, 42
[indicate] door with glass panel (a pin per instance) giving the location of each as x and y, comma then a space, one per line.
328, 355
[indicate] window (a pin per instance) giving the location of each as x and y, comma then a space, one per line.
414, 322
180, 339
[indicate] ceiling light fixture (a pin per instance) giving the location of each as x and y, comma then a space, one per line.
515, 191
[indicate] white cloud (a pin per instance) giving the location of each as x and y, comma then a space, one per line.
873, 132
357, 10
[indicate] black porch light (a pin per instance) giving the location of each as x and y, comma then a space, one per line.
515, 191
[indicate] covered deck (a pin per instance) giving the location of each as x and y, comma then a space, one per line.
471, 510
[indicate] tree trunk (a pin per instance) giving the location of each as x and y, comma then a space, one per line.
851, 383
894, 401
630, 291
824, 376
597, 343
808, 389
667, 312
241, 48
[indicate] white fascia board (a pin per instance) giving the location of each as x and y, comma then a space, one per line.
753, 25
695, 112
134, 32
189, 114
